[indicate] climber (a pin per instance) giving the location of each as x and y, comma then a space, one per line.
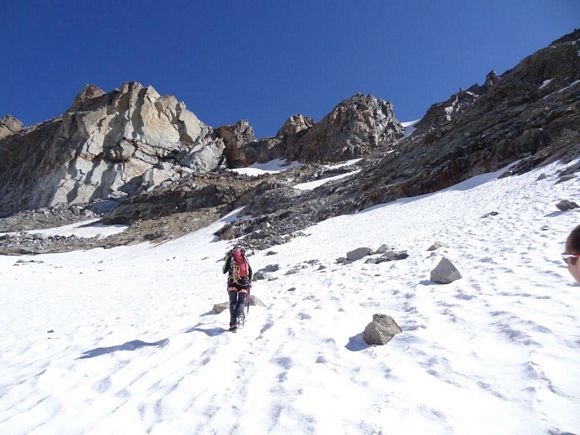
571, 254
239, 283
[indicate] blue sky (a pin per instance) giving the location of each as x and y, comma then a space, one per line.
265, 60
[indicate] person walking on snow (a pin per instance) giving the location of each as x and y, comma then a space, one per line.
239, 272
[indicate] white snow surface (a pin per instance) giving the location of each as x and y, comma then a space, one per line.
342, 164
314, 184
84, 229
409, 127
271, 167
545, 83
124, 340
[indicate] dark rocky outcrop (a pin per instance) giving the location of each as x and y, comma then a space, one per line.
234, 137
517, 118
275, 147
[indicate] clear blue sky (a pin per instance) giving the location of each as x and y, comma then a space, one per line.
264, 60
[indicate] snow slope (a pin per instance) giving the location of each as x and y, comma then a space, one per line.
272, 167
86, 229
124, 340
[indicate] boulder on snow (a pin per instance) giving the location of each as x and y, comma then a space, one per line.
436, 246
382, 249
254, 301
218, 308
445, 272
358, 253
381, 330
258, 276
388, 256
270, 268
566, 205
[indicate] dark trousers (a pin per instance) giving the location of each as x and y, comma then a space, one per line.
237, 302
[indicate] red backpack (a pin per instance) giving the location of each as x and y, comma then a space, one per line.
240, 269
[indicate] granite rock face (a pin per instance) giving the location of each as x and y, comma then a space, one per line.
107, 144
9, 125
354, 128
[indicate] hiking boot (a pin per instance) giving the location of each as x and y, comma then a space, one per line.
233, 326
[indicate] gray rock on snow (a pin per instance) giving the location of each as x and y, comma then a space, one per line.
388, 256
254, 301
358, 253
259, 276
566, 205
382, 249
218, 308
436, 246
445, 272
381, 330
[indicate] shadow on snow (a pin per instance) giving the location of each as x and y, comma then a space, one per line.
356, 343
129, 346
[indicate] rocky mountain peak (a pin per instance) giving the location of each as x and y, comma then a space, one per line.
105, 146
9, 125
491, 79
353, 128
294, 125
234, 137
89, 92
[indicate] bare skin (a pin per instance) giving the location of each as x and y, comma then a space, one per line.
571, 248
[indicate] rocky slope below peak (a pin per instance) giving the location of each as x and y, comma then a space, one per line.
106, 145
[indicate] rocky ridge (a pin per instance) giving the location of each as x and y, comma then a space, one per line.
354, 128
106, 146
528, 114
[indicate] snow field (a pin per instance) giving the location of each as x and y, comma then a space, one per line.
86, 229
136, 349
